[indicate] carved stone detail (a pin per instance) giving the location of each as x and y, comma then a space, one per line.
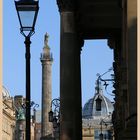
66, 5
111, 43
80, 41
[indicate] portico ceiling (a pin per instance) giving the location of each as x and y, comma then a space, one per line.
99, 18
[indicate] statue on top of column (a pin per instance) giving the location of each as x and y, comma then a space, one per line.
46, 39
46, 49
46, 46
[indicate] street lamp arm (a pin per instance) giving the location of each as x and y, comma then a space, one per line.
106, 72
106, 79
55, 102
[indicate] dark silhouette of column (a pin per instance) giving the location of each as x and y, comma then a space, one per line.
70, 75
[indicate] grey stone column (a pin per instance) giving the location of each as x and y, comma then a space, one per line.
70, 77
46, 60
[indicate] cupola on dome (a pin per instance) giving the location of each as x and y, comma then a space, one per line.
89, 110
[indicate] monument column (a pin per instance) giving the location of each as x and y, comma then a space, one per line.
46, 60
70, 75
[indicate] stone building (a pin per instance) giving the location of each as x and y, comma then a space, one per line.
97, 122
37, 133
37, 122
8, 116
13, 117
116, 21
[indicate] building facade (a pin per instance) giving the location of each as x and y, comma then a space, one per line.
13, 117
37, 122
37, 134
8, 116
97, 122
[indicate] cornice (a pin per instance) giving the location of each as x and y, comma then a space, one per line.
8, 115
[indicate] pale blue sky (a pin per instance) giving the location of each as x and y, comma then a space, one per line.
96, 55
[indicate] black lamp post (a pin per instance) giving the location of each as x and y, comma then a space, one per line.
27, 11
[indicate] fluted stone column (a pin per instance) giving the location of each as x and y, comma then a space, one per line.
70, 75
46, 60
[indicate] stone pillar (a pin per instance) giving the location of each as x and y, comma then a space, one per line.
46, 60
117, 118
130, 56
70, 75
138, 69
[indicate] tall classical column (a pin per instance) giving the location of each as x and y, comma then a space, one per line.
46, 60
70, 75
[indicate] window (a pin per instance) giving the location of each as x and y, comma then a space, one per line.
107, 134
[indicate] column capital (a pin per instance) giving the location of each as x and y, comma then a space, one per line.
66, 5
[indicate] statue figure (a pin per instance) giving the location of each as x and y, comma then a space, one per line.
46, 39
21, 114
